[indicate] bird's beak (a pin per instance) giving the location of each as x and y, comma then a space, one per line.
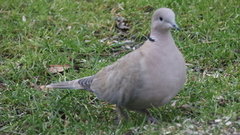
175, 26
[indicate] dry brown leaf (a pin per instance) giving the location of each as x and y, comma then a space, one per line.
58, 68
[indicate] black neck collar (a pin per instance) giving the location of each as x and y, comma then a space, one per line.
151, 39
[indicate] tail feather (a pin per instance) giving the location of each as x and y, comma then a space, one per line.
83, 83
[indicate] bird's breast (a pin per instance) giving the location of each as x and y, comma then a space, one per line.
162, 76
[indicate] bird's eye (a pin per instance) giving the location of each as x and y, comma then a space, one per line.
160, 18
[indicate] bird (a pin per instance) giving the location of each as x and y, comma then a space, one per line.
147, 77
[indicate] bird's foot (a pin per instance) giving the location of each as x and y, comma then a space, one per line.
152, 120
121, 115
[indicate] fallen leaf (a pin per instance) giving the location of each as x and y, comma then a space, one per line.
58, 68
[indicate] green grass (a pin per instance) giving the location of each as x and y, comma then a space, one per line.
37, 34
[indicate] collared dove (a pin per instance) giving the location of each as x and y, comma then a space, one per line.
150, 76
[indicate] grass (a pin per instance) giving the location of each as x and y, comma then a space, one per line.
37, 34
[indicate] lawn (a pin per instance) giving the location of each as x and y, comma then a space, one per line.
47, 41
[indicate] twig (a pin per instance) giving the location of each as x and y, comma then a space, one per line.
5, 12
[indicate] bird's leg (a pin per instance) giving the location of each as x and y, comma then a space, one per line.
150, 118
121, 114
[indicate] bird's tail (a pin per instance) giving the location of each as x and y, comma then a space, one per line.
83, 83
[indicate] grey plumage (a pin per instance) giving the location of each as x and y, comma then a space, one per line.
148, 77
